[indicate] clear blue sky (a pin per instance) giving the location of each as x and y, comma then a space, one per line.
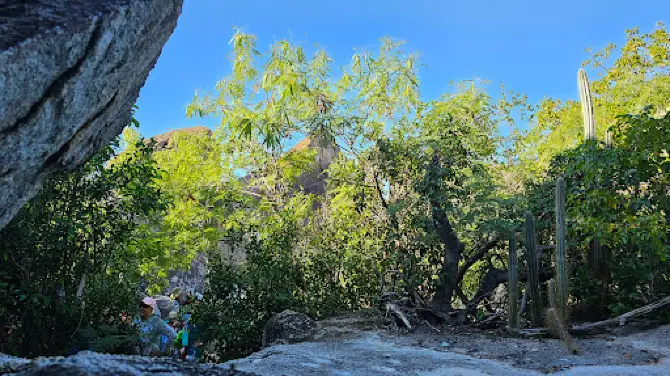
533, 46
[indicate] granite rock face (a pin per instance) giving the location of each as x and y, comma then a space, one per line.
165, 141
314, 180
192, 279
70, 72
89, 363
372, 354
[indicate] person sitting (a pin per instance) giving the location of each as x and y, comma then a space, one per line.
152, 330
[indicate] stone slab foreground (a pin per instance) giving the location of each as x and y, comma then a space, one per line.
369, 354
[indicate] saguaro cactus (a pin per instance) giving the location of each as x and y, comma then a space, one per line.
561, 269
533, 272
587, 106
513, 283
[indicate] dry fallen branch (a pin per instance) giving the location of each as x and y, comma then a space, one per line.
426, 323
620, 320
601, 326
417, 299
489, 320
432, 315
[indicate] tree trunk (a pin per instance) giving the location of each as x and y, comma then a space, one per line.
453, 249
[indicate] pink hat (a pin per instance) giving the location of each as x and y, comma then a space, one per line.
149, 301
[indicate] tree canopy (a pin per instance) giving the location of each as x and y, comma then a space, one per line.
417, 198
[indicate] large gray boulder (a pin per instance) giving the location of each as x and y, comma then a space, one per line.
89, 363
70, 72
289, 327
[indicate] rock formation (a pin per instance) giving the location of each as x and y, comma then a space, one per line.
90, 363
164, 140
289, 327
314, 181
191, 279
165, 305
70, 72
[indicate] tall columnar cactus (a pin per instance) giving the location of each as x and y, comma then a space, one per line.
533, 272
587, 106
561, 269
596, 257
513, 283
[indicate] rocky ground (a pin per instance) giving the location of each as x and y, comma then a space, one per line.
358, 345
88, 363
541, 354
362, 344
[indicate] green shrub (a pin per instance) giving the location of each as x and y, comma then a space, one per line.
617, 197
293, 261
239, 299
70, 257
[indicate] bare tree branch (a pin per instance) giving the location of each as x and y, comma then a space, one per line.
479, 254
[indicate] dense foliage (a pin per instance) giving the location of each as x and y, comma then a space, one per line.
423, 193
617, 196
629, 78
386, 195
198, 188
70, 258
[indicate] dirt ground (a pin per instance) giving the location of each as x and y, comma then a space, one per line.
634, 347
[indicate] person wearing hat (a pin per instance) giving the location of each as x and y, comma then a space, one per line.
153, 329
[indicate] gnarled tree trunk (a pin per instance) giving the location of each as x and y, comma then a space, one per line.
453, 249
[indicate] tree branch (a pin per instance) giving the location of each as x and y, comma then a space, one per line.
602, 326
489, 283
379, 192
483, 251
461, 295
445, 232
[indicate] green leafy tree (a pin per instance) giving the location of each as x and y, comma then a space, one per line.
617, 195
294, 92
629, 78
201, 190
71, 255
438, 168
386, 205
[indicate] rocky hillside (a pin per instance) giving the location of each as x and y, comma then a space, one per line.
164, 141
314, 181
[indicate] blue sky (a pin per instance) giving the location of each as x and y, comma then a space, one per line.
532, 46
